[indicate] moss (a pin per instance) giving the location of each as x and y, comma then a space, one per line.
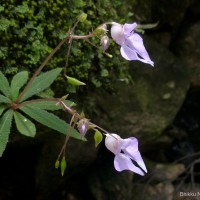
30, 29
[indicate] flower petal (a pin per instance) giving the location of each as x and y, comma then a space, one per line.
128, 28
128, 53
123, 162
117, 33
132, 141
113, 143
136, 42
131, 54
131, 150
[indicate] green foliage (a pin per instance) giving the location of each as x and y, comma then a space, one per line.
4, 85
12, 102
24, 125
74, 81
98, 137
5, 125
1, 8
2, 108
50, 105
30, 29
5, 24
42, 82
4, 99
22, 9
18, 81
49, 120
3, 52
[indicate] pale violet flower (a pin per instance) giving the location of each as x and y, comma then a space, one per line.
125, 151
83, 126
132, 47
105, 42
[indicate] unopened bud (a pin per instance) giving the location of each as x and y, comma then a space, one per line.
101, 30
63, 165
57, 164
83, 17
83, 126
105, 42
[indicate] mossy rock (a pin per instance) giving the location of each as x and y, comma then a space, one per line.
29, 30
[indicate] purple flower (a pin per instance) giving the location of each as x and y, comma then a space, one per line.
105, 42
125, 151
132, 47
83, 126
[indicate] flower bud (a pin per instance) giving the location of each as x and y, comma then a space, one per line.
83, 17
101, 30
83, 126
63, 165
57, 164
105, 42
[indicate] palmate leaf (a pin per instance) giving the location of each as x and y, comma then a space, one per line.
50, 120
17, 83
50, 105
2, 108
24, 125
5, 125
4, 85
4, 99
41, 82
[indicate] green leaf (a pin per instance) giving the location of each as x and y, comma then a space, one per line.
4, 85
1, 8
98, 137
104, 73
2, 108
48, 93
74, 81
24, 125
5, 24
50, 120
50, 105
17, 83
5, 125
22, 9
41, 82
4, 99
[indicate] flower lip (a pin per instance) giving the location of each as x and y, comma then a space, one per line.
125, 151
129, 28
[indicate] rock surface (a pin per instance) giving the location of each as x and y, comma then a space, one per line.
188, 49
150, 104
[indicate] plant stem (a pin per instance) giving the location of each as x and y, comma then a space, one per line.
84, 37
69, 47
63, 150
